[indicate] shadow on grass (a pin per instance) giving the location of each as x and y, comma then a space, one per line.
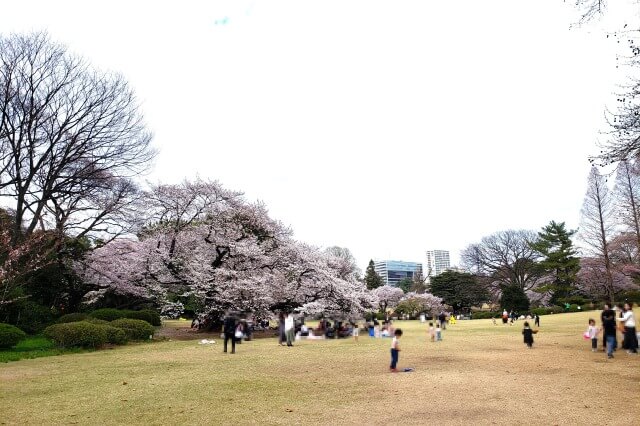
35, 347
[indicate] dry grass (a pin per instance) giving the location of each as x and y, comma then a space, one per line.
479, 374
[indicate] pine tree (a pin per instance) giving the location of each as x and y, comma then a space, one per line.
371, 277
559, 260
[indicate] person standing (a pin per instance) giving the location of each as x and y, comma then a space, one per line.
592, 333
609, 330
442, 318
229, 332
289, 327
607, 311
356, 331
630, 342
537, 320
395, 350
281, 335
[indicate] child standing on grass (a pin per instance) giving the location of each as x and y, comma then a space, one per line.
527, 332
438, 332
395, 349
592, 333
356, 331
432, 332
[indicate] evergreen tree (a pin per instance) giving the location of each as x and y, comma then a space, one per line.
371, 277
559, 260
459, 290
514, 299
405, 285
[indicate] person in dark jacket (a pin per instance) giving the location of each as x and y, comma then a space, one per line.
229, 332
609, 330
527, 332
608, 312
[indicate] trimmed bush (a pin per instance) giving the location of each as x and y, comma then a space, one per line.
549, 310
72, 334
148, 315
134, 329
485, 315
75, 317
10, 335
96, 321
115, 335
108, 314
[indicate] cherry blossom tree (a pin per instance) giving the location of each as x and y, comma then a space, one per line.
413, 304
593, 273
203, 241
388, 296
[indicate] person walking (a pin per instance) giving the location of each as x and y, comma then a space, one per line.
527, 333
289, 328
537, 320
630, 342
229, 332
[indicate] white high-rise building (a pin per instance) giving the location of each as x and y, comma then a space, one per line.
437, 262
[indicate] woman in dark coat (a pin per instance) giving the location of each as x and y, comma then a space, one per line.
527, 332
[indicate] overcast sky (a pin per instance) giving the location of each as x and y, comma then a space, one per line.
388, 127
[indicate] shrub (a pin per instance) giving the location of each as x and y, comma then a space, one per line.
108, 314
484, 315
96, 321
116, 336
10, 335
148, 315
34, 317
548, 310
135, 329
82, 333
75, 317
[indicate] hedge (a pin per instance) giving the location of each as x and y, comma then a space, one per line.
134, 329
110, 314
485, 315
96, 321
148, 315
75, 317
116, 336
10, 335
548, 310
82, 333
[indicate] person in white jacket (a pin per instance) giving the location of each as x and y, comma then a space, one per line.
628, 319
289, 329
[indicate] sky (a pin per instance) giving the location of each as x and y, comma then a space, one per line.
387, 127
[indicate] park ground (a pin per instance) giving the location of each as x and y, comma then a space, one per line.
479, 374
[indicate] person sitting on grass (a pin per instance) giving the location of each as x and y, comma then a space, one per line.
395, 350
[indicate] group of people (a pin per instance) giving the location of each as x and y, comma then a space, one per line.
624, 321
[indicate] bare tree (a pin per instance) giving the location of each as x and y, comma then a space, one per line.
71, 140
505, 258
590, 9
627, 192
596, 225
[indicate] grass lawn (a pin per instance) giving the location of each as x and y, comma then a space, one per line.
479, 374
34, 347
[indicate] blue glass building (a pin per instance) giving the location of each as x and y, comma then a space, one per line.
394, 271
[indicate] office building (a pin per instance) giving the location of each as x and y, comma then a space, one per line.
394, 271
437, 262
